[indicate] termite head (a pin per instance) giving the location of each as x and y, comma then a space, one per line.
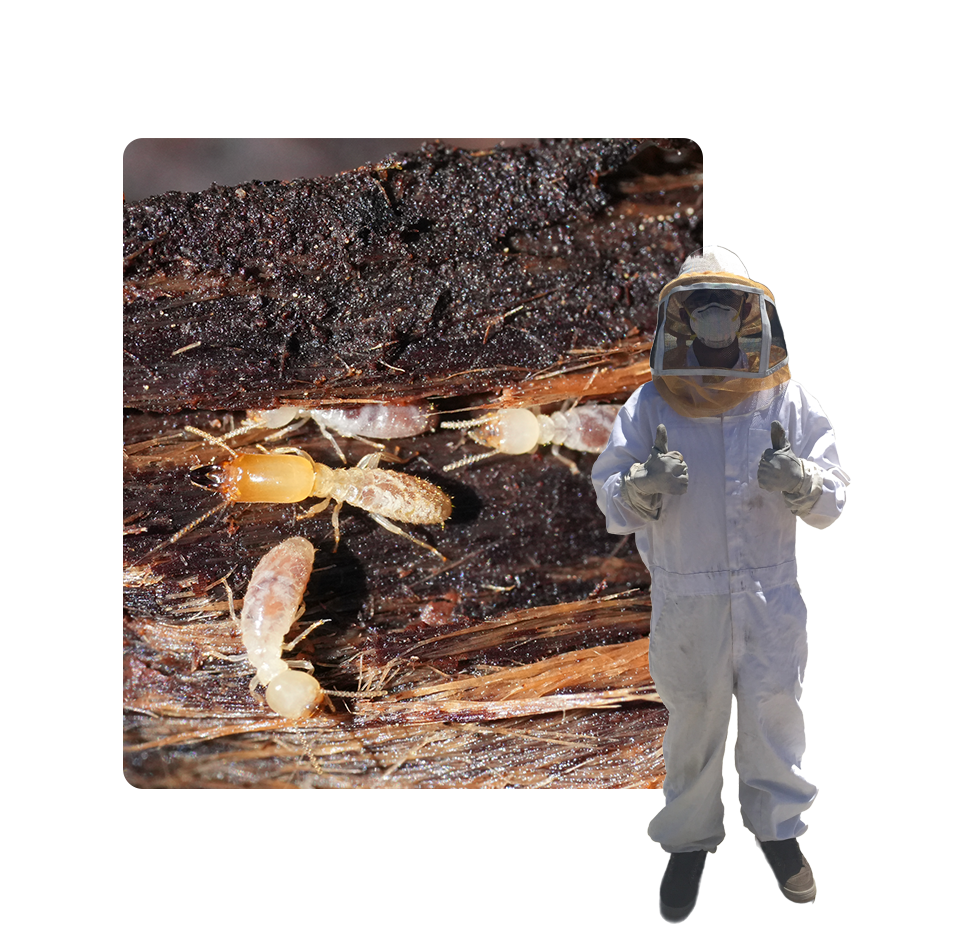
263, 478
511, 431
293, 694
273, 418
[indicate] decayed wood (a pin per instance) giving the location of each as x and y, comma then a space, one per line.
433, 273
508, 727
521, 660
534, 628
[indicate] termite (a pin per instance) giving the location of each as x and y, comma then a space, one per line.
272, 603
371, 420
518, 431
290, 475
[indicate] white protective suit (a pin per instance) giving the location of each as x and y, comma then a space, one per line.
727, 614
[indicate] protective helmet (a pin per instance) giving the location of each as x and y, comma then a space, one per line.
718, 337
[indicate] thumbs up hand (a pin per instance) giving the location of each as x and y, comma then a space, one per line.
780, 468
663, 472
668, 466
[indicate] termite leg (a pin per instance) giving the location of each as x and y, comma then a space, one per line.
314, 509
563, 459
317, 508
368, 462
312, 626
289, 450
385, 455
332, 440
285, 430
390, 527
336, 524
367, 441
252, 685
227, 589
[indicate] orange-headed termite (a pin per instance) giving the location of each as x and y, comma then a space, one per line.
290, 475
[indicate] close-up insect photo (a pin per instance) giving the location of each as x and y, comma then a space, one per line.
362, 403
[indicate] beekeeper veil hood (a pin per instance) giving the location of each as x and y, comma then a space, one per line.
718, 338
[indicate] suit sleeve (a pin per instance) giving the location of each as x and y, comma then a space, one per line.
813, 440
631, 441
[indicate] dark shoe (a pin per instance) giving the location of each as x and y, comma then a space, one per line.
680, 884
790, 867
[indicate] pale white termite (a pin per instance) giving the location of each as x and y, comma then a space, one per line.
370, 420
290, 475
272, 603
518, 431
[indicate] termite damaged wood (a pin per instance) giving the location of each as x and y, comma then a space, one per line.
434, 273
519, 661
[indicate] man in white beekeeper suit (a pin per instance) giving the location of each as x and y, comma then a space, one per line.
714, 521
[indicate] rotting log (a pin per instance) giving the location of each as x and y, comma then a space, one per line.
522, 276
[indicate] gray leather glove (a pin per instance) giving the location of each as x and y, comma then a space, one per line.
780, 468
664, 472
799, 481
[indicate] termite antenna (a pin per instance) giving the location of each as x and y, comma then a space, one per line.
234, 433
467, 423
470, 459
181, 533
214, 440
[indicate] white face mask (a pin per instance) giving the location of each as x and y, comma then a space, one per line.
715, 325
